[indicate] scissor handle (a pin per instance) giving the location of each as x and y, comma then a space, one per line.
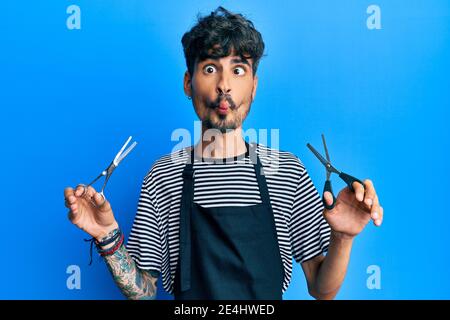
328, 188
348, 179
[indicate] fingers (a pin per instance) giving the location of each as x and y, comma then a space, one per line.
366, 193
328, 198
369, 198
72, 216
101, 202
69, 215
68, 192
97, 199
87, 192
369, 193
381, 217
72, 196
70, 201
90, 192
377, 213
359, 191
80, 190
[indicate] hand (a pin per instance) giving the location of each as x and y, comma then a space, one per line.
353, 210
90, 211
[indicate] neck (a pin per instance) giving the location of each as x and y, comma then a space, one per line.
214, 144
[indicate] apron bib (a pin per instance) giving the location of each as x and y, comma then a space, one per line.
228, 252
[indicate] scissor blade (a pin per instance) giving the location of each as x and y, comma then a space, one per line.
325, 147
121, 150
318, 155
327, 164
122, 156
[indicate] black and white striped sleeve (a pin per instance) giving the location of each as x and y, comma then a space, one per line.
145, 240
309, 231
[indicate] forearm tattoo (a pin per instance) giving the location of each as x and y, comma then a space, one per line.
134, 283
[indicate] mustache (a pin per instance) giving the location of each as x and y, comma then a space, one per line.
215, 103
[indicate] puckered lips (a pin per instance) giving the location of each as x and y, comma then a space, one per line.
223, 107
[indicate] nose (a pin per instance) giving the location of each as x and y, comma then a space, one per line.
223, 85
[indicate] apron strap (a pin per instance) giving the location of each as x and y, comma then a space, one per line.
185, 226
262, 183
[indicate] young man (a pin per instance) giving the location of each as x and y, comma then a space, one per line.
216, 220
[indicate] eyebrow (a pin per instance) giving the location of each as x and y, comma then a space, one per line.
233, 61
240, 60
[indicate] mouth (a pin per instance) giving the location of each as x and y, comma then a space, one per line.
223, 107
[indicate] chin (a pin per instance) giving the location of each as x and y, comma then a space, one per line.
222, 126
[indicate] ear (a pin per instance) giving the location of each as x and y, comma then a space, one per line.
255, 85
187, 84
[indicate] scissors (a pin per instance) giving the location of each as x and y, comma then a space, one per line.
348, 179
110, 169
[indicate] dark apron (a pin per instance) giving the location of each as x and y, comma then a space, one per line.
227, 252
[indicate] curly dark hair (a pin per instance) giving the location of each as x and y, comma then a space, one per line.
216, 35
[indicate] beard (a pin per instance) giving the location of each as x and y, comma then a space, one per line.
224, 122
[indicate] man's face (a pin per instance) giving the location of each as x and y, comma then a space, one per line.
222, 91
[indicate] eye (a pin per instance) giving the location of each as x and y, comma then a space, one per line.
239, 71
209, 69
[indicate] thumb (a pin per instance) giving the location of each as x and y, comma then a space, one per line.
328, 197
101, 202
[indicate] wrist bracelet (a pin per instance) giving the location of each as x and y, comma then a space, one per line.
101, 249
110, 238
111, 251
113, 236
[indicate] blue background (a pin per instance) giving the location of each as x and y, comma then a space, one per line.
70, 98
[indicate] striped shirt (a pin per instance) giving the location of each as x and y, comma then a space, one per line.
302, 231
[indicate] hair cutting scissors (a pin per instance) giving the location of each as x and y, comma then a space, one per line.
348, 179
110, 169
